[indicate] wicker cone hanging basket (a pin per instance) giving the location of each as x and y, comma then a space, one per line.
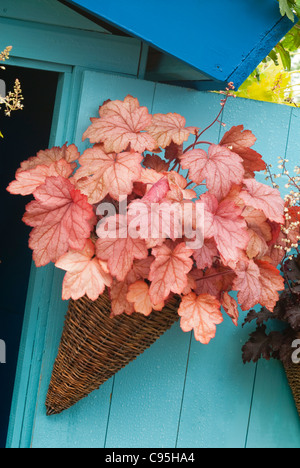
95, 346
293, 376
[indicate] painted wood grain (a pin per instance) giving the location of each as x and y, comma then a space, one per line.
274, 421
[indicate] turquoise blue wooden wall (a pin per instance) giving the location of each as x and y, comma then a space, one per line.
179, 393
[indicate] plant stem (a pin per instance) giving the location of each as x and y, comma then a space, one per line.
223, 273
197, 143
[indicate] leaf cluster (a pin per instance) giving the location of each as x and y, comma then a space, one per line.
197, 225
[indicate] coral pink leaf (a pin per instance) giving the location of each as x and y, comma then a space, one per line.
49, 156
195, 161
239, 138
118, 291
149, 177
264, 198
258, 222
257, 246
178, 191
225, 224
28, 181
153, 161
213, 281
138, 294
240, 141
101, 174
158, 191
154, 221
122, 123
248, 284
221, 168
118, 296
85, 275
201, 314
206, 254
191, 284
118, 248
271, 284
169, 271
275, 229
140, 269
168, 128
276, 253
231, 308
61, 217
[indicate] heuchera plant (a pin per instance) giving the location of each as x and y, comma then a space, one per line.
282, 340
79, 221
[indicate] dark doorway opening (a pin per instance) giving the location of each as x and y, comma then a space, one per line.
25, 133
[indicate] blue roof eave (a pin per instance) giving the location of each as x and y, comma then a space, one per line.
225, 42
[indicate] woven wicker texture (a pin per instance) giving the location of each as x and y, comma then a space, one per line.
293, 375
94, 347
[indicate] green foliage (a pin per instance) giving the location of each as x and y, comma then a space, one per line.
272, 81
290, 8
269, 82
291, 42
287, 47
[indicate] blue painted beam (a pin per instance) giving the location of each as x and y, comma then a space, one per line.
225, 39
